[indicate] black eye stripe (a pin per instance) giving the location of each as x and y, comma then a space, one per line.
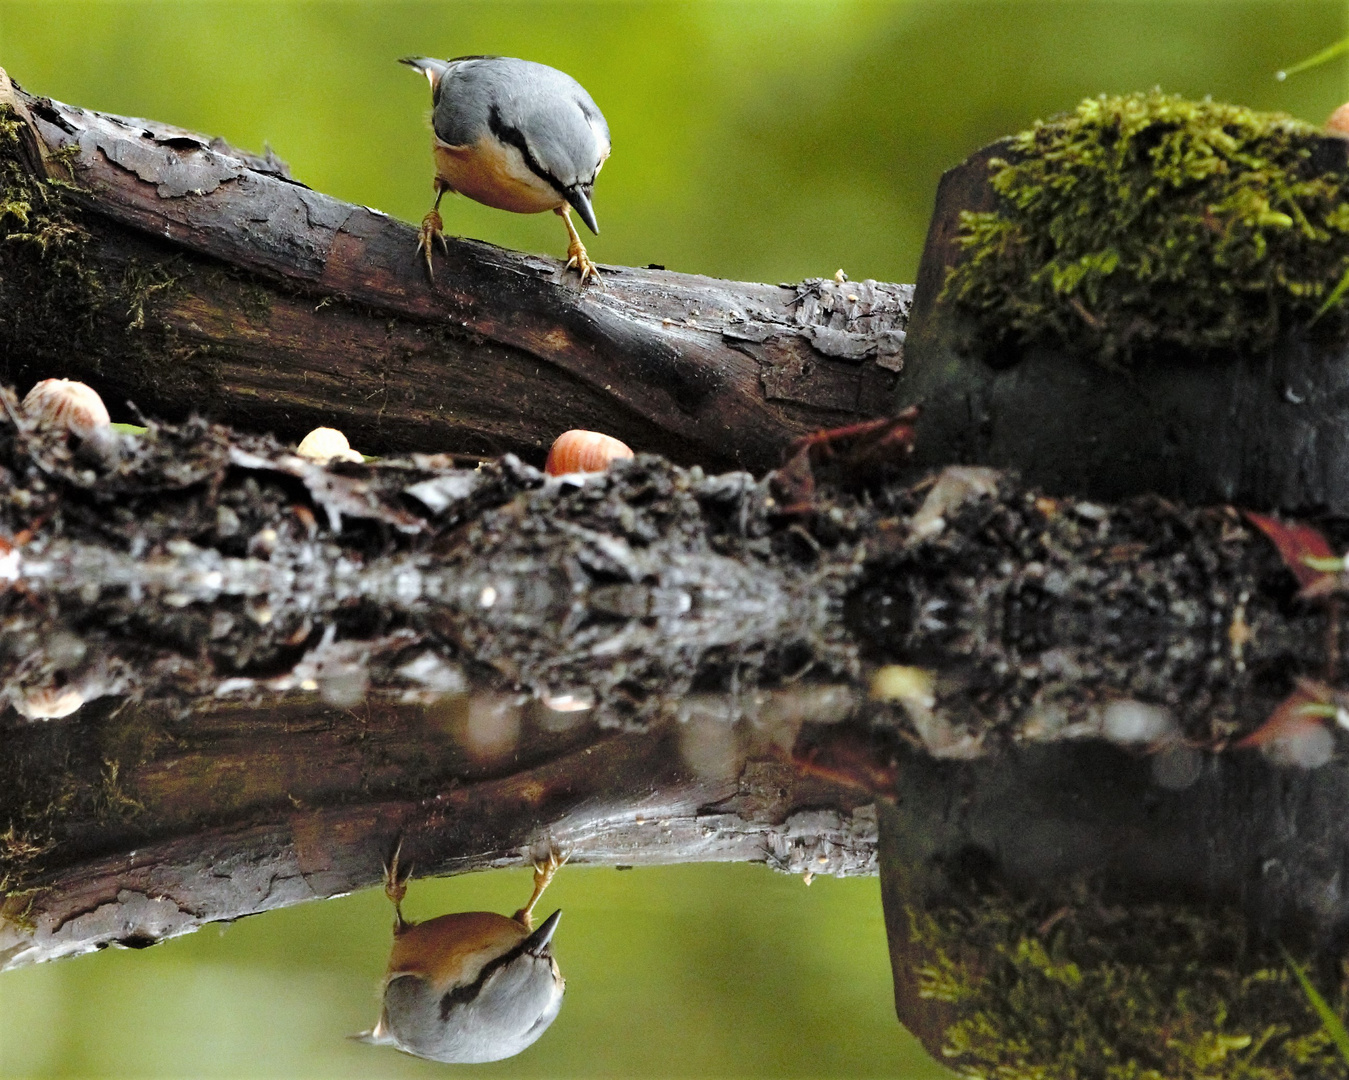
462, 995
515, 137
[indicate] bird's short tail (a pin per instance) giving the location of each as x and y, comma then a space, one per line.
377, 1036
432, 69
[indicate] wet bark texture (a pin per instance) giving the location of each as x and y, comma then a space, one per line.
1265, 432
194, 277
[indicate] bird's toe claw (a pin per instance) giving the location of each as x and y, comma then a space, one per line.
579, 260
395, 884
430, 234
553, 861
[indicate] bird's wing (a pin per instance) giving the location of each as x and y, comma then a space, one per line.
546, 115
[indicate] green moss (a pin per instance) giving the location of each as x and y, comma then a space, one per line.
1148, 222
48, 296
32, 212
255, 301
141, 282
18, 850
1144, 992
39, 791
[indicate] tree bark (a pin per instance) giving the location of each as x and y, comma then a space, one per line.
174, 270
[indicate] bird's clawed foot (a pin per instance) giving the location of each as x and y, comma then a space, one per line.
396, 887
544, 869
578, 260
431, 232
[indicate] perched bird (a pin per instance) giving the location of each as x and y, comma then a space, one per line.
515, 135
472, 986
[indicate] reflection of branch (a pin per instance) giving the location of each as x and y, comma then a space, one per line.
195, 277
253, 810
409, 649
470, 636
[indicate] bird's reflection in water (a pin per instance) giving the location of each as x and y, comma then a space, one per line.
470, 986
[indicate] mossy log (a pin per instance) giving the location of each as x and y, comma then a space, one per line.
1133, 298
175, 271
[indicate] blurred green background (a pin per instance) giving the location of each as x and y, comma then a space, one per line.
757, 140
682, 971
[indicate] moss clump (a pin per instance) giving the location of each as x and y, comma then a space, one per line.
32, 212
1152, 222
48, 297
1090, 992
141, 282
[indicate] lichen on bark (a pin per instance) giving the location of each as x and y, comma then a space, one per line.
1147, 222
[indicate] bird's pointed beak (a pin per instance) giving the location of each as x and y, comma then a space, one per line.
537, 943
580, 202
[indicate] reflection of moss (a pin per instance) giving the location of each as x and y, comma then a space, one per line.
18, 850
37, 794
1148, 992
1149, 220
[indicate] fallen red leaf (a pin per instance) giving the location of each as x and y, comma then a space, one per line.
1295, 542
1286, 719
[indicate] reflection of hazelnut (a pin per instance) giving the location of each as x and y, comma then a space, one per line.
49, 703
1338, 124
1127, 722
584, 451
325, 444
906, 685
64, 402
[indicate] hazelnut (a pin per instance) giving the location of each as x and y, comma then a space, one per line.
66, 403
584, 451
325, 444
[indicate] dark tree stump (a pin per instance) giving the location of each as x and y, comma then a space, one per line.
1263, 432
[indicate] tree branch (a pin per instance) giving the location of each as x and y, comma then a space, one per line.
196, 277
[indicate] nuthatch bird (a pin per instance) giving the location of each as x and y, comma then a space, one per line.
471, 986
517, 136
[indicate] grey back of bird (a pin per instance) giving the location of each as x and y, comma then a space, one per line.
495, 1018
545, 113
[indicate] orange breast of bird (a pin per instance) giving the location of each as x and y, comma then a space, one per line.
441, 949
496, 175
